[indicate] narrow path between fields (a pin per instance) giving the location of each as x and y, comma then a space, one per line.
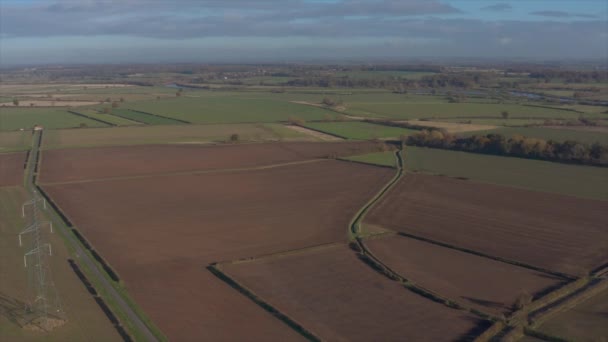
82, 256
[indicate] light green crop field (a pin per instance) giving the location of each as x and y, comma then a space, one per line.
407, 110
550, 134
360, 130
378, 158
86, 320
113, 119
145, 118
575, 180
184, 134
584, 322
12, 119
15, 141
245, 108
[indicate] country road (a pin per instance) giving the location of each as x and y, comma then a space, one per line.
80, 254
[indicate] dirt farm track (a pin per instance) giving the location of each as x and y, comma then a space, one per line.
160, 232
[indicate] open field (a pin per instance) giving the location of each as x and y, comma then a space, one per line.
585, 322
12, 119
226, 109
386, 158
406, 110
103, 162
113, 119
49, 103
11, 168
575, 180
144, 118
452, 127
339, 298
484, 284
524, 226
86, 321
184, 134
189, 221
360, 130
15, 141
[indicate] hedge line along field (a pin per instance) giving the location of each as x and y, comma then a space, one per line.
82, 164
15, 141
405, 110
339, 298
86, 320
113, 119
224, 109
182, 134
12, 119
11, 168
552, 134
487, 285
145, 118
190, 221
386, 158
574, 180
524, 226
359, 130
584, 322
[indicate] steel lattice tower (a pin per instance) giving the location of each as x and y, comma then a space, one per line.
42, 304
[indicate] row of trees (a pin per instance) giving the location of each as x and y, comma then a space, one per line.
516, 146
570, 76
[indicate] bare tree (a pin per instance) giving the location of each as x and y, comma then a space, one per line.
16, 102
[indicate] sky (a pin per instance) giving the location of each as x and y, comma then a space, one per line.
244, 31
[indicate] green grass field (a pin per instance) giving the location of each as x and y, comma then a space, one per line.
12, 119
378, 158
245, 108
144, 118
581, 181
359, 130
407, 110
113, 119
15, 141
86, 320
193, 134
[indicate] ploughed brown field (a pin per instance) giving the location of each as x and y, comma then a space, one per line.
105, 162
160, 233
339, 298
11, 168
484, 284
555, 232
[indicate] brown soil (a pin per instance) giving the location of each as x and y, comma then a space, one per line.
484, 284
313, 133
161, 232
339, 298
11, 168
79, 164
556, 232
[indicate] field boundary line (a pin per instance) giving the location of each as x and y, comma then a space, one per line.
136, 320
325, 132
290, 322
281, 254
91, 118
488, 256
365, 163
160, 116
186, 173
134, 120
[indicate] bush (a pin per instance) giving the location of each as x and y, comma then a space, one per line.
234, 137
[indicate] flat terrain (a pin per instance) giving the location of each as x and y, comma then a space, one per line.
186, 134
11, 168
144, 118
552, 134
12, 119
15, 141
339, 298
484, 284
360, 130
82, 164
538, 175
452, 127
386, 158
243, 108
526, 226
86, 321
190, 221
585, 322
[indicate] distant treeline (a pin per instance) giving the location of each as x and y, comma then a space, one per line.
571, 152
572, 76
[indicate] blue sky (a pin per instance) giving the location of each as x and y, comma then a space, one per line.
115, 31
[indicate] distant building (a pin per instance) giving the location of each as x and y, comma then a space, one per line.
38, 128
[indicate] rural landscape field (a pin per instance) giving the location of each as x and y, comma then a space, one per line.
348, 198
